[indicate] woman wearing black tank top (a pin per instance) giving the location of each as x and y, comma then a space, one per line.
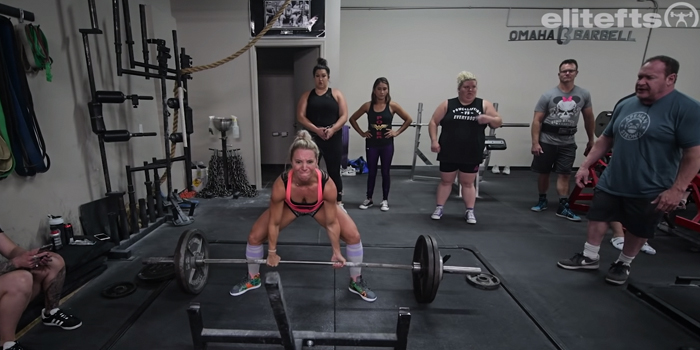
462, 141
379, 139
323, 112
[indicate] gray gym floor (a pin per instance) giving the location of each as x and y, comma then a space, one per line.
539, 305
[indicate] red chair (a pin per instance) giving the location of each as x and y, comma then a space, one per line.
593, 175
694, 223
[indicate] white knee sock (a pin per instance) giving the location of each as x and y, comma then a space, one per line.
253, 252
354, 252
591, 251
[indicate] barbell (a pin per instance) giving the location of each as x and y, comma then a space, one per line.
191, 262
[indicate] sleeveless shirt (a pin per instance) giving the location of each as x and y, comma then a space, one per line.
462, 139
379, 124
322, 110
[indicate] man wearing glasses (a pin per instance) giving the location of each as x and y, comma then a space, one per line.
553, 135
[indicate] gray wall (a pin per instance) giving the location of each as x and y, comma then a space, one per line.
421, 51
76, 174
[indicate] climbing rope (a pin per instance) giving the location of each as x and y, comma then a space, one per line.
190, 70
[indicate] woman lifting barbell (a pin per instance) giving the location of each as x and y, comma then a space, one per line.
304, 190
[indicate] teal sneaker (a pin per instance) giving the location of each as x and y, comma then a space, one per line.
360, 288
541, 205
246, 284
565, 212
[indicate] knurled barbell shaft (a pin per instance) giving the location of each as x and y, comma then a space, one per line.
446, 269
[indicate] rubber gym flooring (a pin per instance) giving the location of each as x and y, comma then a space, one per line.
538, 306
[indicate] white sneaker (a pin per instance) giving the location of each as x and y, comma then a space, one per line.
469, 216
385, 206
506, 170
619, 242
366, 204
495, 170
437, 214
342, 206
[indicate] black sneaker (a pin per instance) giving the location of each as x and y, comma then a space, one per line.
565, 212
17, 346
579, 261
618, 273
61, 319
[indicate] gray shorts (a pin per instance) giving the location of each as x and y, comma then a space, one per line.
558, 159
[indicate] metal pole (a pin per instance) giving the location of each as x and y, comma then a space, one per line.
416, 267
416, 141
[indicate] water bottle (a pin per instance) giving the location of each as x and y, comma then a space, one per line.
57, 229
236, 129
68, 229
55, 236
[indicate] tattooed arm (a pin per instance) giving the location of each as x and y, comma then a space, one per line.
10, 251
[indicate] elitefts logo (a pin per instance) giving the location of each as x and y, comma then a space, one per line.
581, 24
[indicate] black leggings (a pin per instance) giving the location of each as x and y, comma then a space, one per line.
332, 152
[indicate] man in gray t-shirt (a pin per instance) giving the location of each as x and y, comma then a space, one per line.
655, 138
553, 135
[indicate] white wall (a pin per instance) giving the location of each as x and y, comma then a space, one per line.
421, 51
213, 30
75, 176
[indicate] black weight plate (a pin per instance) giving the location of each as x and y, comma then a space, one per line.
426, 282
417, 257
118, 290
192, 245
154, 273
435, 269
484, 281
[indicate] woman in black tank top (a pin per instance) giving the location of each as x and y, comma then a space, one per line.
462, 141
379, 139
323, 112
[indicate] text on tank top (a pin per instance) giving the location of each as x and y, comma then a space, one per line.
379, 124
462, 138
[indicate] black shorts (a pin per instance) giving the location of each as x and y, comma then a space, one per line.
462, 167
637, 215
559, 159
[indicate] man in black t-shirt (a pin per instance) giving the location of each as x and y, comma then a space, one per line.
23, 276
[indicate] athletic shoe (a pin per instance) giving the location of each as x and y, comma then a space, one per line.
541, 205
579, 261
246, 284
61, 319
360, 288
437, 214
385, 206
469, 216
366, 204
618, 273
619, 242
565, 212
17, 346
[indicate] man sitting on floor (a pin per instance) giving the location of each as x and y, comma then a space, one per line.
22, 277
